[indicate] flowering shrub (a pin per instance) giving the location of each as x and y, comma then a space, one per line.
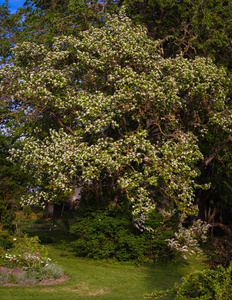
27, 253
187, 239
30, 255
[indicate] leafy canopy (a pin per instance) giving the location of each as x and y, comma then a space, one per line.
127, 118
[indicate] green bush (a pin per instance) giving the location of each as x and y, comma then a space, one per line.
6, 240
103, 235
26, 211
19, 215
7, 214
207, 284
12, 278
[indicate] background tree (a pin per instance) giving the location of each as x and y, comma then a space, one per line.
193, 27
8, 29
13, 183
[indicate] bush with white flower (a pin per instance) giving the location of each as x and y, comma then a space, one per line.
187, 240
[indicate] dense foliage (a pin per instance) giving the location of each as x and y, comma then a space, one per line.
12, 182
206, 284
111, 235
199, 27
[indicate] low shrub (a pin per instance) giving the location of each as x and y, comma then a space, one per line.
188, 240
31, 277
104, 235
12, 278
209, 284
27, 252
33, 216
53, 271
4, 278
6, 240
19, 215
27, 215
26, 211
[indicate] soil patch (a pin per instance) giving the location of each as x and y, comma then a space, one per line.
19, 271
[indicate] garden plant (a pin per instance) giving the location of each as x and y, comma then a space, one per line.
28, 254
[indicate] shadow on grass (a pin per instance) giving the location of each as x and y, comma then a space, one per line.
46, 235
164, 275
117, 278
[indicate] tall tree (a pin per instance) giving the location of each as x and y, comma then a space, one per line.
130, 120
193, 27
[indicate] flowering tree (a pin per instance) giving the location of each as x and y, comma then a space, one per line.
129, 122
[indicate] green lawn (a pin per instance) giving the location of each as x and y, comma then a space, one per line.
102, 280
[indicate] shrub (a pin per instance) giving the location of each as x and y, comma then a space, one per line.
19, 215
27, 252
222, 252
40, 215
30, 255
208, 284
30, 252
189, 239
12, 278
3, 278
7, 214
26, 211
6, 240
106, 235
33, 216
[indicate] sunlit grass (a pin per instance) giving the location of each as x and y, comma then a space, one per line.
101, 279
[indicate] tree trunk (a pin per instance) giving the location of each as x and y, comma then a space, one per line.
50, 210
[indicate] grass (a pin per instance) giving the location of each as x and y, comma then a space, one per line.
100, 279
